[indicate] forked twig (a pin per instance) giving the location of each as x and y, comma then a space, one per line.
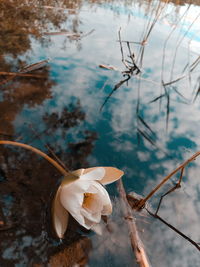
130, 69
155, 215
142, 202
134, 203
177, 186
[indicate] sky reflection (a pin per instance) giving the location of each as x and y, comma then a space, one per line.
74, 82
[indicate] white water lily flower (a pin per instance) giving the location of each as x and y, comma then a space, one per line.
82, 194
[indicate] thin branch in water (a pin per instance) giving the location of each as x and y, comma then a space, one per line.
174, 81
198, 90
146, 136
179, 43
120, 43
168, 105
146, 125
157, 98
194, 64
113, 90
142, 202
175, 229
131, 42
4, 73
164, 48
136, 242
34, 66
164, 195
131, 69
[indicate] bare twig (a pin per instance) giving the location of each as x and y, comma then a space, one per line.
131, 68
141, 203
113, 90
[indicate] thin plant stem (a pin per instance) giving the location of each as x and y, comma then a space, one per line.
37, 151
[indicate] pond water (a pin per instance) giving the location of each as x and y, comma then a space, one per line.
144, 128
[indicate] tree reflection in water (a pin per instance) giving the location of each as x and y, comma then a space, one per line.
27, 182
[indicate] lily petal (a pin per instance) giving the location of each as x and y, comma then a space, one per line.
103, 194
93, 202
60, 216
93, 217
71, 197
97, 229
111, 174
96, 173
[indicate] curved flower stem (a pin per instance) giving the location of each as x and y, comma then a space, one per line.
37, 151
142, 202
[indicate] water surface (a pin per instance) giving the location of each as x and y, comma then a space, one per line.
62, 109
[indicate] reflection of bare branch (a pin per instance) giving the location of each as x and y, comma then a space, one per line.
179, 43
168, 103
133, 202
113, 90
197, 91
173, 228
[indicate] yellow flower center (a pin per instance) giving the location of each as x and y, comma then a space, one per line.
88, 199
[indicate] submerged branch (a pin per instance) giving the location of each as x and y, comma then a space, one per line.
136, 242
4, 73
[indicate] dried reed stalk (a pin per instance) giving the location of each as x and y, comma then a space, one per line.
136, 242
